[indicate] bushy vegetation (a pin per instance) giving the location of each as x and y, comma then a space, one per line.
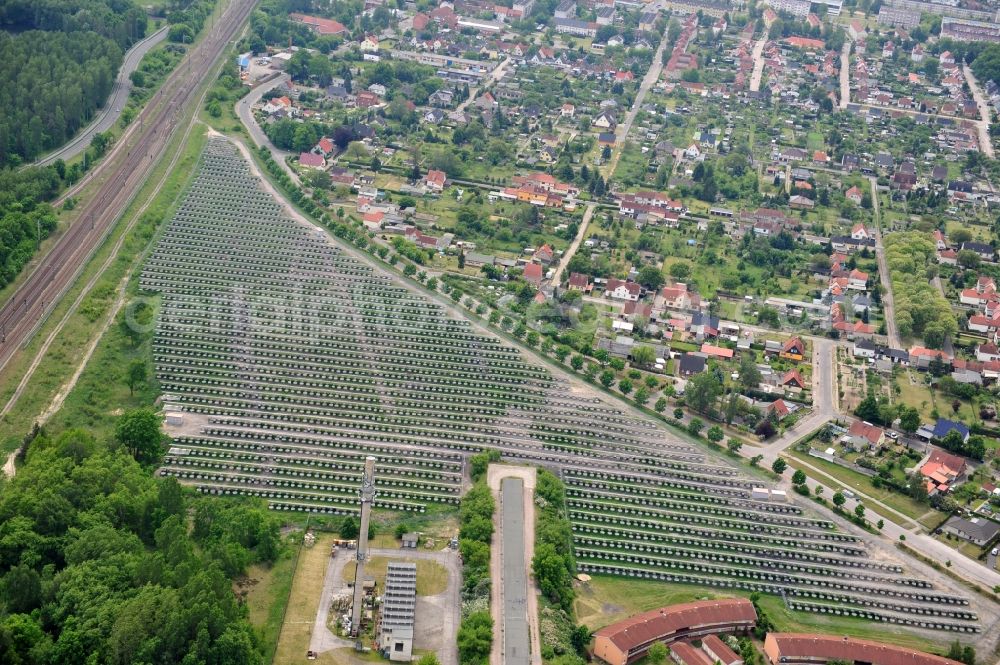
475, 635
100, 562
554, 565
920, 308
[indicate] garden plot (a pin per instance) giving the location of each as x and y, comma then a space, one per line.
297, 360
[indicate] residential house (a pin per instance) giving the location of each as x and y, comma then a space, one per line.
864, 436
692, 363
435, 180
533, 274
618, 289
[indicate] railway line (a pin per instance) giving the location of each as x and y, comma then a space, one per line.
27, 307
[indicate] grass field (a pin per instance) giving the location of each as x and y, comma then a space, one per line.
267, 596
605, 600
432, 577
293, 641
854, 480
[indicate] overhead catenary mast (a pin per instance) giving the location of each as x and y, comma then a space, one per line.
367, 499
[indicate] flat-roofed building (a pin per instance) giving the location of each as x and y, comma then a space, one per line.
399, 602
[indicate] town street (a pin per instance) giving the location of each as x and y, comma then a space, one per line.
244, 110
758, 64
985, 140
587, 214
883, 272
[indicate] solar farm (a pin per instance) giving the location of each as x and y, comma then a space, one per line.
291, 360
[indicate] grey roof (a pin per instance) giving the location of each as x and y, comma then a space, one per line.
692, 363
979, 529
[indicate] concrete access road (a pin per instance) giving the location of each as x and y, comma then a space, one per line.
112, 110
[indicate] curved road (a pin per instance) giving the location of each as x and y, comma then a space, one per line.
123, 176
112, 109
244, 111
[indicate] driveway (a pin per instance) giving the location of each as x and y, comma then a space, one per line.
112, 109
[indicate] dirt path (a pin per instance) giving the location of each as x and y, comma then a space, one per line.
60, 397
650, 79
888, 306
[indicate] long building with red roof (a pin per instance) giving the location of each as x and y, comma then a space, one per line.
811, 649
627, 641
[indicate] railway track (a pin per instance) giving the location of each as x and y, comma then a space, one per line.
23, 313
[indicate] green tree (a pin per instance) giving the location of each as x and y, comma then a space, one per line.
139, 432
839, 499
702, 392
750, 376
715, 434
643, 355
657, 654
660, 405
695, 426
734, 445
799, 477
136, 375
779, 465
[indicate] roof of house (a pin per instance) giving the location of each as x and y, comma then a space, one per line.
686, 654
978, 528
645, 627
719, 648
944, 458
793, 376
692, 363
866, 431
796, 646
579, 280
943, 426
718, 351
533, 272
311, 159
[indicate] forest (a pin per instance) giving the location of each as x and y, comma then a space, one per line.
100, 561
58, 60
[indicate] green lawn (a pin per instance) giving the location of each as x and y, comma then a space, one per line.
605, 599
853, 480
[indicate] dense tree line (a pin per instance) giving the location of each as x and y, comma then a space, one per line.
102, 562
24, 221
58, 59
475, 635
920, 308
54, 83
121, 21
554, 564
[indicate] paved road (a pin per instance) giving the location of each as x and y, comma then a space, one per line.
494, 76
116, 101
648, 81
244, 111
121, 174
845, 74
983, 125
824, 402
888, 308
758, 64
587, 214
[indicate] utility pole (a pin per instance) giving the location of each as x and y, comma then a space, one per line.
367, 499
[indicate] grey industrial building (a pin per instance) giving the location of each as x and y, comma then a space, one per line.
399, 601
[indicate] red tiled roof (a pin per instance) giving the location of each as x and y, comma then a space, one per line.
648, 626
796, 646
